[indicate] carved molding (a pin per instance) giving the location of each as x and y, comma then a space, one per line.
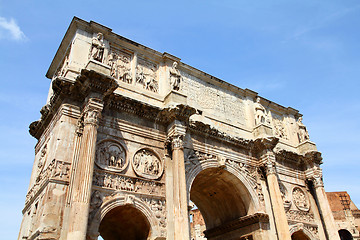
88, 81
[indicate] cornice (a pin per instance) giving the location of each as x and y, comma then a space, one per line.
207, 130
89, 81
236, 224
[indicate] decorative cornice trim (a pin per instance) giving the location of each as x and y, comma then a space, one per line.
236, 224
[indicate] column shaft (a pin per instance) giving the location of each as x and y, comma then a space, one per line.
181, 215
326, 213
281, 222
81, 186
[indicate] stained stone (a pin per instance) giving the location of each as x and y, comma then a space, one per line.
130, 135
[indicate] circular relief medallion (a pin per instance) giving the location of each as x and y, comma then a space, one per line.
147, 164
300, 199
110, 155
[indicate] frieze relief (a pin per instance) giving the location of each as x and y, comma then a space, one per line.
118, 182
120, 63
146, 75
147, 164
56, 170
300, 216
111, 156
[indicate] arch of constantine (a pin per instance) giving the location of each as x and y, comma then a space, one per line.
131, 137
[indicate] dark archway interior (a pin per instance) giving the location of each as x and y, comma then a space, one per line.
299, 235
345, 235
220, 196
124, 223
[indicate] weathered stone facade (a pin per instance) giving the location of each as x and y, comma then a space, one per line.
130, 135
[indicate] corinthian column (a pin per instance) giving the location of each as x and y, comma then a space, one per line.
323, 204
180, 215
82, 177
281, 222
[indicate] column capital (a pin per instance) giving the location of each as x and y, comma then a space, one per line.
315, 175
92, 111
175, 134
270, 167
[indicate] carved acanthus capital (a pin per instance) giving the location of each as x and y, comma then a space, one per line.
270, 167
92, 111
314, 174
177, 142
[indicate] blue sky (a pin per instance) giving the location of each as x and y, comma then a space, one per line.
303, 54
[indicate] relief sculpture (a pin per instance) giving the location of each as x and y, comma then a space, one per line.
175, 77
120, 66
300, 199
146, 164
303, 134
146, 75
97, 47
110, 155
115, 181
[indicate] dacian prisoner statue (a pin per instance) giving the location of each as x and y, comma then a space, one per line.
130, 138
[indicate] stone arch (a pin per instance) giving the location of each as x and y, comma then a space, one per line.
300, 231
223, 194
254, 203
345, 234
119, 201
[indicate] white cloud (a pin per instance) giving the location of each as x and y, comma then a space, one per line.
10, 29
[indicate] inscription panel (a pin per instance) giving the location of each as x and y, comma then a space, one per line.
220, 103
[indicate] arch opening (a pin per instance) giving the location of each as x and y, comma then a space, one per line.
220, 196
345, 235
299, 235
124, 222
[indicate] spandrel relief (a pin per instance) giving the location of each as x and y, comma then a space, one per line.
215, 102
147, 164
120, 63
110, 155
146, 75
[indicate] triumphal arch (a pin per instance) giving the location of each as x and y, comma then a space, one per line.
130, 138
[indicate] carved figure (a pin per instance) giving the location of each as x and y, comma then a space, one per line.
111, 156
112, 61
97, 47
146, 76
175, 77
260, 114
147, 164
300, 199
303, 134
